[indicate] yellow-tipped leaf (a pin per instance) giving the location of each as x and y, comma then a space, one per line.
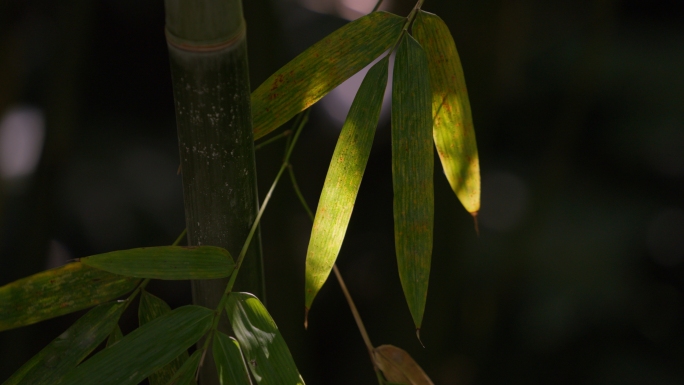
453, 123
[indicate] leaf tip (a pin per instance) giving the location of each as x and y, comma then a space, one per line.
306, 318
476, 223
419, 340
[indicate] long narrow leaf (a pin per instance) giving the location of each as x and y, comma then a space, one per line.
325, 65
229, 361
166, 262
344, 179
152, 307
57, 292
70, 348
453, 123
412, 169
268, 357
186, 374
144, 350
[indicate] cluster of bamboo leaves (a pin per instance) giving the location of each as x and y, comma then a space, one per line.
429, 104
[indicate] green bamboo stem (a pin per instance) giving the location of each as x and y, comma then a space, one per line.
208, 57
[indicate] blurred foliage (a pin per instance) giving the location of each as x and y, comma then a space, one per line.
577, 276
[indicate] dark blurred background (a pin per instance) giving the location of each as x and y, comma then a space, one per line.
577, 276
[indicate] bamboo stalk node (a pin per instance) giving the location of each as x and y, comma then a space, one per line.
208, 46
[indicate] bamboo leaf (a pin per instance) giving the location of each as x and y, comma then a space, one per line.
452, 120
56, 292
186, 374
344, 179
267, 355
166, 262
70, 348
144, 350
152, 307
115, 336
229, 361
412, 169
399, 367
325, 65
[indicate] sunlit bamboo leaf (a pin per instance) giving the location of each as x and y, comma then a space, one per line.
229, 361
399, 367
186, 374
321, 68
115, 336
453, 123
152, 307
412, 168
70, 348
144, 350
267, 355
57, 292
344, 179
166, 262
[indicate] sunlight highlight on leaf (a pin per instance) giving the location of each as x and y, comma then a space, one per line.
325, 65
344, 179
453, 122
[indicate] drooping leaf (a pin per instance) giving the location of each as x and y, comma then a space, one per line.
152, 307
344, 179
229, 361
267, 355
144, 350
452, 121
115, 336
398, 366
325, 65
412, 169
65, 352
186, 374
166, 262
57, 292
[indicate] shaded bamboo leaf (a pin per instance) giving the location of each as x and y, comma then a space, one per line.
166, 262
325, 65
59, 291
152, 307
186, 374
144, 350
452, 120
229, 361
115, 336
399, 367
412, 169
65, 352
267, 355
344, 179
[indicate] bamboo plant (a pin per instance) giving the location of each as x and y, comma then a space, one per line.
218, 120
